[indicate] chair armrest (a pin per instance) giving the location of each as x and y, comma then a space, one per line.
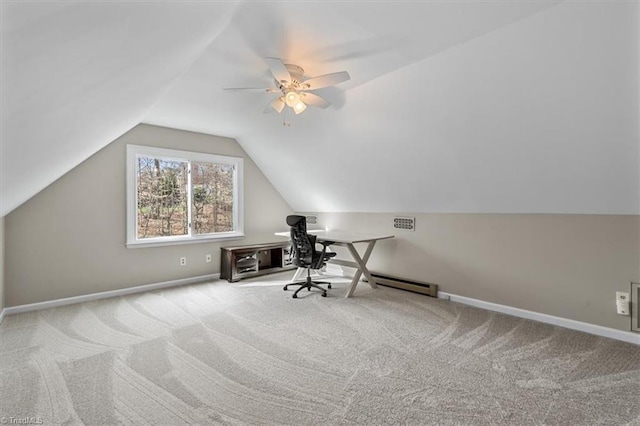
323, 256
326, 255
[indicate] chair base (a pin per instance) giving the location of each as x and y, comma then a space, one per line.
308, 284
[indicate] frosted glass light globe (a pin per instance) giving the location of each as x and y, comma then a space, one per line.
299, 107
292, 98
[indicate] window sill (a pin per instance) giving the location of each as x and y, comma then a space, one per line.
182, 241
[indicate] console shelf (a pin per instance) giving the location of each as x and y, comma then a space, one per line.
241, 262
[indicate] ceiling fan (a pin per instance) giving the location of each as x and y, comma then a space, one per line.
295, 92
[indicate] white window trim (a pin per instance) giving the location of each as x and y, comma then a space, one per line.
132, 183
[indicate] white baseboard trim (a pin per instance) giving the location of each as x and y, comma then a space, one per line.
103, 295
598, 330
625, 336
2, 314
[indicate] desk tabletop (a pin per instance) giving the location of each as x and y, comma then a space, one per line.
342, 237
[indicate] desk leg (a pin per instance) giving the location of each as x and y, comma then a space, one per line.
362, 267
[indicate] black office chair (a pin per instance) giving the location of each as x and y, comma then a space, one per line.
305, 255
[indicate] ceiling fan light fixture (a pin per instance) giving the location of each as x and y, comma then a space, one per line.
299, 107
297, 93
292, 98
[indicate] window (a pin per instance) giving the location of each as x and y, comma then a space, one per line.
176, 197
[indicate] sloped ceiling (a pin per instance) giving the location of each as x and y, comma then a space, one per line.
76, 76
452, 106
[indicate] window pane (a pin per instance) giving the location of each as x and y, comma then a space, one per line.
212, 197
162, 197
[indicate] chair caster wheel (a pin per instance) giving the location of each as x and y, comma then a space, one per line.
284, 288
324, 294
329, 286
308, 288
295, 296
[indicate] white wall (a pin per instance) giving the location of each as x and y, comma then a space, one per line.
69, 239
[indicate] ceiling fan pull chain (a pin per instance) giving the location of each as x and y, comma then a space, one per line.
284, 118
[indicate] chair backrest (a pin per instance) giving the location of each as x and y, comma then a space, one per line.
301, 246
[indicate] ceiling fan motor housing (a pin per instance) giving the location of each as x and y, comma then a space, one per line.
296, 73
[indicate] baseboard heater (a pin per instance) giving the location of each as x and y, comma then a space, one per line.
405, 284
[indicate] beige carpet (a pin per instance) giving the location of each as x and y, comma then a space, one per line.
247, 353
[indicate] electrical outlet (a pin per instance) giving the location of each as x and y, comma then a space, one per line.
622, 303
622, 296
183, 261
622, 308
207, 257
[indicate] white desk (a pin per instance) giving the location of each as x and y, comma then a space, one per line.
348, 240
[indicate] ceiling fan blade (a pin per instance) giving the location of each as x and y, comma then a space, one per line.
278, 69
252, 89
276, 105
325, 80
314, 100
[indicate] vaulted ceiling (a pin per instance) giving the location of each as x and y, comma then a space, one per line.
458, 106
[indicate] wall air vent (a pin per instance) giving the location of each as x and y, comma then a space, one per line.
311, 219
406, 223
